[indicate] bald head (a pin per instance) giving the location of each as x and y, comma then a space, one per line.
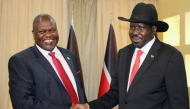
42, 17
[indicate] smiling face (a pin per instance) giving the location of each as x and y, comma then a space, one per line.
140, 34
45, 32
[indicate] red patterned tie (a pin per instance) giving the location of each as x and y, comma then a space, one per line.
135, 66
65, 79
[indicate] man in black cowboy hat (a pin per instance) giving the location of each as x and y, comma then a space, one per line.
149, 73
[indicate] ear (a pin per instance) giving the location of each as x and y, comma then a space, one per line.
154, 29
33, 34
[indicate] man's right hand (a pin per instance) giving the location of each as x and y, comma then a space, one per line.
80, 106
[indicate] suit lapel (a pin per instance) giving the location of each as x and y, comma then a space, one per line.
69, 61
74, 72
128, 59
45, 63
152, 54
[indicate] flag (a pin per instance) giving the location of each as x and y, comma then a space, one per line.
109, 63
73, 47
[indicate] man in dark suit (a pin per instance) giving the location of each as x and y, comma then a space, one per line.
34, 80
160, 81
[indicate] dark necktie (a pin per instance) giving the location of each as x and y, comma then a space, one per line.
135, 66
65, 79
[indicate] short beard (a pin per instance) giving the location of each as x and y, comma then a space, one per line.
138, 45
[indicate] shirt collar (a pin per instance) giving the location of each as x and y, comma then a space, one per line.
45, 52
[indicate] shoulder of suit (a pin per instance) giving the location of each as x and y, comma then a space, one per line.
63, 50
168, 47
24, 53
130, 46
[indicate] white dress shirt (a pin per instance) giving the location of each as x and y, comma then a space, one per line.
145, 50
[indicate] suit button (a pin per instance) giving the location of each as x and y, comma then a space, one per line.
125, 102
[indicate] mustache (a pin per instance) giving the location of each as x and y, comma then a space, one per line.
139, 36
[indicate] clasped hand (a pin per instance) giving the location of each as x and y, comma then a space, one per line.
80, 106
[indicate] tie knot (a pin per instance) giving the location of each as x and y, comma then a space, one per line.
139, 53
52, 54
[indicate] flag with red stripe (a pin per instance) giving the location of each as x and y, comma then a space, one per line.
109, 63
73, 47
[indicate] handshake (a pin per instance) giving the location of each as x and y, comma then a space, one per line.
80, 106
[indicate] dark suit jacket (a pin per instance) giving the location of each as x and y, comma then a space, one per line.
160, 82
35, 85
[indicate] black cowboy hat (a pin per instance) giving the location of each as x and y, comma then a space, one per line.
146, 13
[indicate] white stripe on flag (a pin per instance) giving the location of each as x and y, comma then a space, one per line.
107, 73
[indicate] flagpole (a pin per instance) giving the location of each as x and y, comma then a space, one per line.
111, 19
72, 19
